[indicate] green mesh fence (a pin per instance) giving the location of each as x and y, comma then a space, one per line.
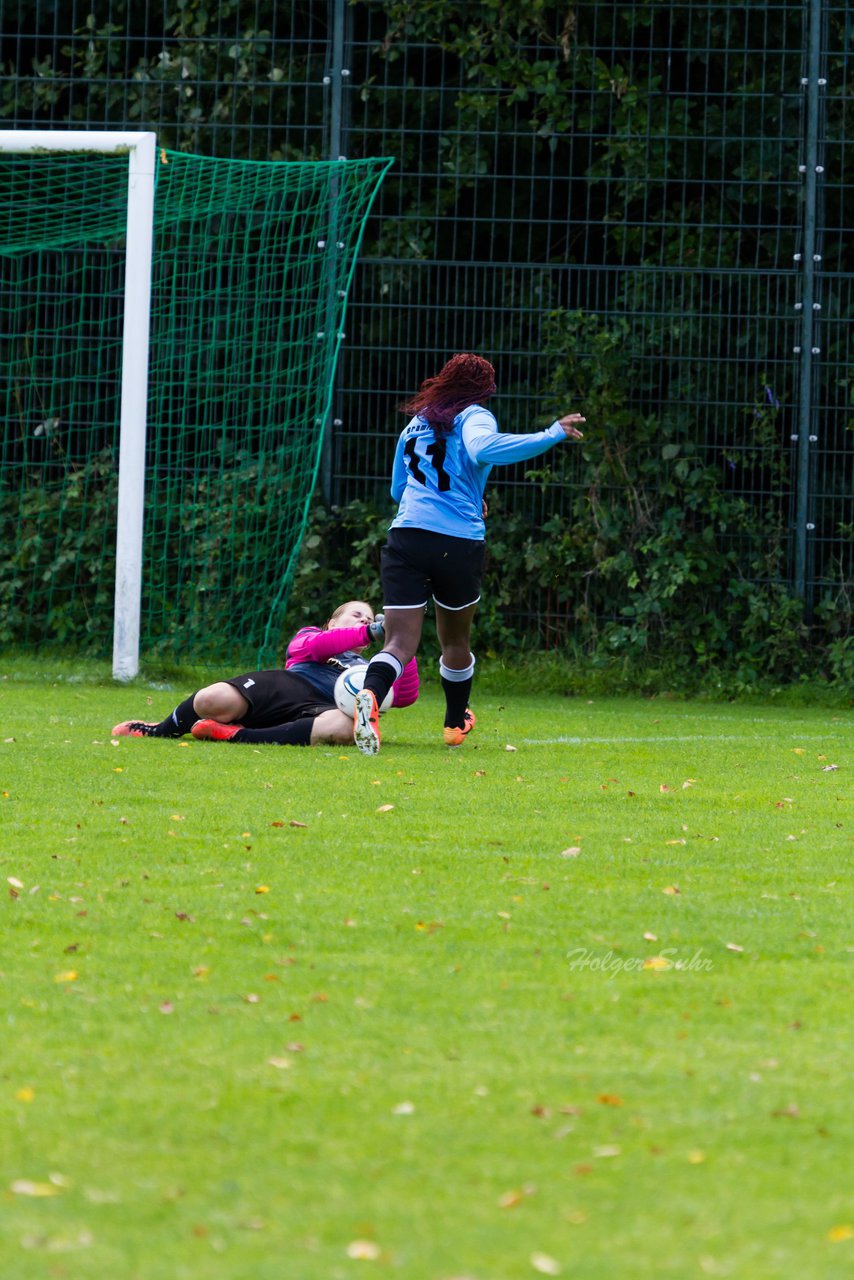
252, 267
676, 171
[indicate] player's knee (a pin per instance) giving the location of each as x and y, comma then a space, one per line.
219, 702
457, 663
404, 650
332, 727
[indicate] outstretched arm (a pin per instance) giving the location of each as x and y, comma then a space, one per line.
313, 645
488, 446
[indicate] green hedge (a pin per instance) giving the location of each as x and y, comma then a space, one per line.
651, 552
674, 625
649, 588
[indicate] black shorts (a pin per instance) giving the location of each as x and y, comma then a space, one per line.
277, 697
417, 564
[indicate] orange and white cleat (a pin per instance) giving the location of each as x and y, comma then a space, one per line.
134, 729
215, 730
366, 723
454, 736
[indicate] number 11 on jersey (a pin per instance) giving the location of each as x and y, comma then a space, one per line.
436, 452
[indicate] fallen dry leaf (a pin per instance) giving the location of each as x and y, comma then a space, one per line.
545, 1264
510, 1199
672, 889
24, 1187
294, 823
842, 1232
68, 975
385, 808
791, 1112
610, 1099
733, 946
572, 852
367, 1250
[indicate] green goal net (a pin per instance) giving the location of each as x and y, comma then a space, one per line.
251, 269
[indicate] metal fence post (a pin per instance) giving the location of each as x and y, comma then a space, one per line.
333, 80
809, 348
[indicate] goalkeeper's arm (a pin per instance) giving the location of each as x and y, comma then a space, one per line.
406, 685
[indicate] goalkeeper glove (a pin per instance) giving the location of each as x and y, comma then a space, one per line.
376, 629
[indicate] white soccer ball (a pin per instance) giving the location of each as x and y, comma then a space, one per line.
348, 684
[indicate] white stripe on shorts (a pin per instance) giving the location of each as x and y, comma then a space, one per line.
458, 608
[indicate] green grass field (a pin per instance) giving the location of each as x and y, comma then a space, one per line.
573, 1000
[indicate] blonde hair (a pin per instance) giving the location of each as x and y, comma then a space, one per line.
336, 613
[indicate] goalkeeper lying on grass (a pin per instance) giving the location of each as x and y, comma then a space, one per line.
293, 707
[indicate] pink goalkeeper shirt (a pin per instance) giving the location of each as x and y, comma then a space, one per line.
311, 644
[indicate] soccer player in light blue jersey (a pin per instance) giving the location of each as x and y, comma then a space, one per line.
436, 542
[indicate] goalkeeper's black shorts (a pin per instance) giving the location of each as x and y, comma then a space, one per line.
277, 697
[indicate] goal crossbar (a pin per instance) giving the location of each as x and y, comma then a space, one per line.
140, 149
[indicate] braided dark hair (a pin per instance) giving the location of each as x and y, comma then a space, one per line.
465, 379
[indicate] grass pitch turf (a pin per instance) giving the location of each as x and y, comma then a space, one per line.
581, 1007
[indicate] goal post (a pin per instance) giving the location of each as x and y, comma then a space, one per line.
168, 349
140, 149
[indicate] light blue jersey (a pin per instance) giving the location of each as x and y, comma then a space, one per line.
438, 480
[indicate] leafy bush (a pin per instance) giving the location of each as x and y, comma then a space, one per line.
655, 561
654, 554
57, 578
